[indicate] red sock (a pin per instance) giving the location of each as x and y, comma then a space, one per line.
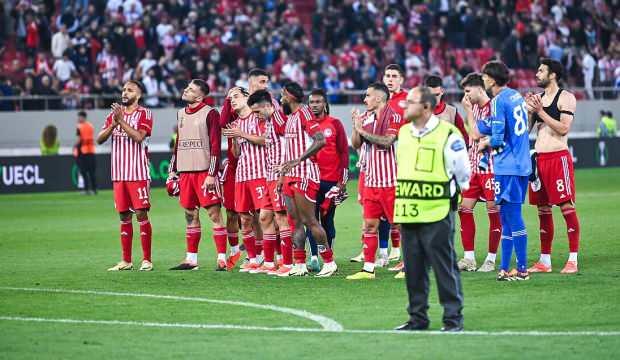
468, 228
326, 253
277, 245
219, 238
546, 230
495, 230
249, 240
258, 245
192, 238
126, 237
371, 242
269, 246
233, 239
572, 226
286, 243
299, 255
145, 238
395, 236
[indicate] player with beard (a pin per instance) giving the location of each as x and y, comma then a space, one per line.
196, 161
299, 181
443, 110
378, 128
130, 125
552, 113
333, 161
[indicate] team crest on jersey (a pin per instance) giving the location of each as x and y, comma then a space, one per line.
402, 104
328, 132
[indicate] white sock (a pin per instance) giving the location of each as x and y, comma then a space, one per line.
268, 264
383, 252
572, 256
234, 250
253, 261
491, 257
470, 255
192, 257
396, 250
545, 259
221, 256
370, 267
314, 257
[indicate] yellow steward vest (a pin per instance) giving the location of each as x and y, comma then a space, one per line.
422, 184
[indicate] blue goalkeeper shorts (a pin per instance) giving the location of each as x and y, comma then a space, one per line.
510, 189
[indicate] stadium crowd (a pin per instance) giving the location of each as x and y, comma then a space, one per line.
90, 47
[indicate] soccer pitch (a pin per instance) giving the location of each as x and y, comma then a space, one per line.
58, 302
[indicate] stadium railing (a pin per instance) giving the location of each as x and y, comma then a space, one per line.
103, 101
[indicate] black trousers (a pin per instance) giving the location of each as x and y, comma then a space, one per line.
428, 246
88, 168
326, 221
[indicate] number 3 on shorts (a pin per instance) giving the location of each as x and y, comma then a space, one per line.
260, 191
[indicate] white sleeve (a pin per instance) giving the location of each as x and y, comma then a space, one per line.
457, 160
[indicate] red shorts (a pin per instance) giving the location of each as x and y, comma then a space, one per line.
131, 195
251, 195
480, 188
557, 177
360, 189
379, 202
306, 187
277, 200
229, 192
192, 195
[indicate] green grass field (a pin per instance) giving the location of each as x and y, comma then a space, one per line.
66, 241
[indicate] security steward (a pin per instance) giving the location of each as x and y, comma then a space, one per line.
432, 166
84, 151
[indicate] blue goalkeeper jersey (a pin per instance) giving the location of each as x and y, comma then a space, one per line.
509, 133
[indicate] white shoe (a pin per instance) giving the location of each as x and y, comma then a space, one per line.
328, 270
487, 266
466, 265
359, 258
394, 254
146, 266
298, 270
382, 262
121, 266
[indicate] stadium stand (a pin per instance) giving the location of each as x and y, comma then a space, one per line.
74, 48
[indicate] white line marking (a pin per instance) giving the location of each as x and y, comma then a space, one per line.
309, 330
325, 322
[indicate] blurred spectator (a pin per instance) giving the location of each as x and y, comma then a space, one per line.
60, 42
49, 143
63, 68
608, 126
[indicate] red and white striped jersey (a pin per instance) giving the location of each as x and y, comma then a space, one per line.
130, 161
252, 162
380, 162
361, 161
480, 113
274, 140
300, 127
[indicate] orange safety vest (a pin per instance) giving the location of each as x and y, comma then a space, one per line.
87, 138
